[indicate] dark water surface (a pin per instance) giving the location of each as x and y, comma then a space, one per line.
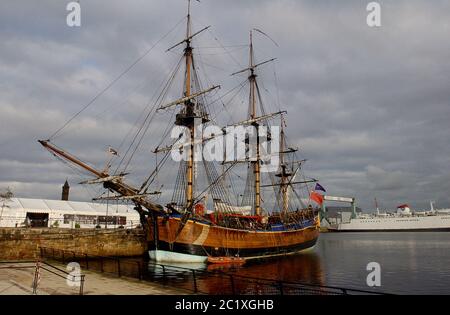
411, 263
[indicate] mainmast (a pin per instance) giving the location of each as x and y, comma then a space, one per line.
253, 115
254, 120
284, 174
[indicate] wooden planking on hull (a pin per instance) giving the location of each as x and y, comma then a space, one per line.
199, 234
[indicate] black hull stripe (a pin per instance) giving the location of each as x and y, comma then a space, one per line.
199, 250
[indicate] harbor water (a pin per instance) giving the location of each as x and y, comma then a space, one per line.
411, 263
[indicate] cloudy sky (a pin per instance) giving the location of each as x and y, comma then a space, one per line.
369, 107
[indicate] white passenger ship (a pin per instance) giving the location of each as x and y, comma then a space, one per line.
40, 213
403, 220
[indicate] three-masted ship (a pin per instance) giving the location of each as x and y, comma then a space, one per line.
188, 228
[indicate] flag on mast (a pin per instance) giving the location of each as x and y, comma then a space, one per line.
112, 151
319, 187
318, 198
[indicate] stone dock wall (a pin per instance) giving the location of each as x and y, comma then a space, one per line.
24, 243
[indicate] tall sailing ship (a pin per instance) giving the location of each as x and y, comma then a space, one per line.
200, 224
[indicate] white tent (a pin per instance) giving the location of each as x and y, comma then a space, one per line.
17, 212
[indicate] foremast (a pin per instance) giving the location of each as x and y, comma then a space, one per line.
189, 123
190, 113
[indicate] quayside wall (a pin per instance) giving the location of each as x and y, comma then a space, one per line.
24, 243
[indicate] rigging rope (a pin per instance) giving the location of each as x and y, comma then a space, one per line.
147, 120
53, 136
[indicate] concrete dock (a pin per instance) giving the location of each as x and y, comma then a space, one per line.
18, 281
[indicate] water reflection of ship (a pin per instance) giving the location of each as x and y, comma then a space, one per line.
304, 268
301, 268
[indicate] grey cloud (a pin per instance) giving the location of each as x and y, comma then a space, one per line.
368, 107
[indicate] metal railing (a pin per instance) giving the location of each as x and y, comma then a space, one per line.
110, 265
223, 283
195, 280
28, 264
65, 275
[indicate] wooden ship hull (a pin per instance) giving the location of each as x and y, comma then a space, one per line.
198, 240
